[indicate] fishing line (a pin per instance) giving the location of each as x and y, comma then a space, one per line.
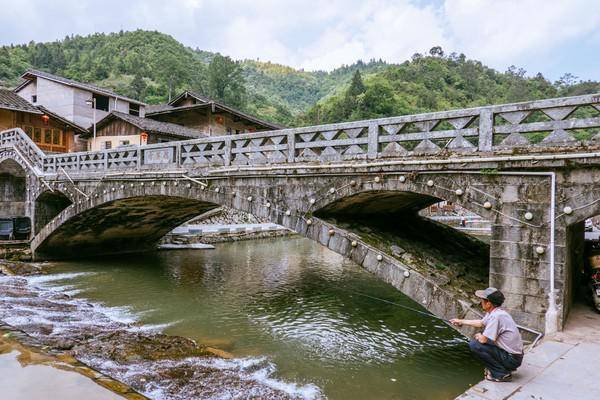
395, 304
424, 313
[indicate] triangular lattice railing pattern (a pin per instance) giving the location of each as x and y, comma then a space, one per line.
558, 122
123, 158
269, 149
536, 126
421, 135
343, 143
203, 153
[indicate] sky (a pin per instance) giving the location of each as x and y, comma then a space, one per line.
548, 36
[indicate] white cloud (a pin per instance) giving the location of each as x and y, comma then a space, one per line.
328, 33
498, 31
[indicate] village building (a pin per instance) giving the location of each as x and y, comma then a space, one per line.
206, 115
49, 131
75, 110
119, 129
77, 102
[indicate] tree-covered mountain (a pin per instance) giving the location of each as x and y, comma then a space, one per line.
153, 66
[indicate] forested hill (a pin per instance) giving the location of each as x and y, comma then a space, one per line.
152, 66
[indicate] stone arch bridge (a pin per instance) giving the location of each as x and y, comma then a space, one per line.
530, 168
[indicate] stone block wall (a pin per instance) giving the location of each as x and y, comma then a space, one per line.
12, 193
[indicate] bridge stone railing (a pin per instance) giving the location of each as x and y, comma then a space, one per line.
534, 125
19, 140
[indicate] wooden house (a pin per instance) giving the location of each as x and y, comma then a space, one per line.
214, 118
75, 101
50, 131
118, 129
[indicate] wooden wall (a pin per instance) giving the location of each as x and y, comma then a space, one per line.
30, 122
118, 128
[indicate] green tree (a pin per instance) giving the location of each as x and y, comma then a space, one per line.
357, 86
225, 81
138, 87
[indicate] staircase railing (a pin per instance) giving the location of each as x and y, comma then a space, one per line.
19, 140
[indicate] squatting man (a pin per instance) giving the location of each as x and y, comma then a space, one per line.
499, 346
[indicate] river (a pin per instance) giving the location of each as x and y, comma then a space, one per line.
296, 317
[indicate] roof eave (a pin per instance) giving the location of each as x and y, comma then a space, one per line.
22, 85
26, 74
10, 108
221, 106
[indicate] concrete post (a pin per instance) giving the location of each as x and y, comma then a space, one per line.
227, 152
291, 142
373, 140
486, 129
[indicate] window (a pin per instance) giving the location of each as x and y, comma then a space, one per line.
29, 131
124, 142
56, 136
34, 98
106, 145
229, 131
48, 136
101, 102
37, 135
134, 109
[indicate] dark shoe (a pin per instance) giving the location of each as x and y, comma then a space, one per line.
505, 378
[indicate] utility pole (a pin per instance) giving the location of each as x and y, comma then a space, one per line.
92, 102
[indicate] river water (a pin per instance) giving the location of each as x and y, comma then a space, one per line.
290, 311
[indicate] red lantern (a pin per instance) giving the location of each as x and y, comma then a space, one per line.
45, 118
143, 138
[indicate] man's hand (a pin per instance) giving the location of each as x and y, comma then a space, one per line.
481, 338
456, 322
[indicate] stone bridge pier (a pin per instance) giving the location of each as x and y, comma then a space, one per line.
15, 183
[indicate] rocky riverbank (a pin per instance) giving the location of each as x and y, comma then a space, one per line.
156, 365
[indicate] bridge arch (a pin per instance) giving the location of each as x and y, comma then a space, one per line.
47, 206
105, 216
13, 185
124, 200
121, 224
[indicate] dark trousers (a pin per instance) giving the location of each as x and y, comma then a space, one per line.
497, 360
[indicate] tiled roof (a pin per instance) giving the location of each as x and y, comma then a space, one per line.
86, 86
12, 101
150, 108
153, 126
189, 93
203, 103
221, 106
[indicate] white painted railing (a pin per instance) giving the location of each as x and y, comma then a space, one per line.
534, 126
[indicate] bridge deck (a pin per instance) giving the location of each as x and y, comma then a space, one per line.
559, 125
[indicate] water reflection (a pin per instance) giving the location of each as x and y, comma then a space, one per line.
26, 374
296, 303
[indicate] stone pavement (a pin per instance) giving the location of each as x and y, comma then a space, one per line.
564, 367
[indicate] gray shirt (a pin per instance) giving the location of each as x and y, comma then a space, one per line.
502, 329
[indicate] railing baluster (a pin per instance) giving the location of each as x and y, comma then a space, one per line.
227, 152
373, 143
291, 147
486, 127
